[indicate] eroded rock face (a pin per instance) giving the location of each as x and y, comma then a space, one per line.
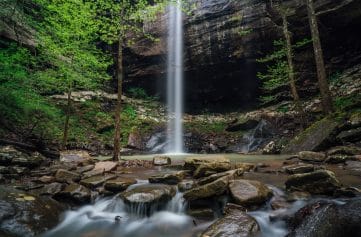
235, 223
223, 39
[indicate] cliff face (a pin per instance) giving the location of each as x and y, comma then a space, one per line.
223, 39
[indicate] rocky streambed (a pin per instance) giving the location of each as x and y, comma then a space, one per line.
309, 194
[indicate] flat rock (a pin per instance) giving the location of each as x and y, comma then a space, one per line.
84, 169
249, 192
96, 181
317, 182
148, 194
74, 156
105, 166
46, 179
170, 178
299, 168
235, 223
161, 160
312, 156
65, 176
206, 169
344, 150
192, 163
352, 135
119, 184
51, 189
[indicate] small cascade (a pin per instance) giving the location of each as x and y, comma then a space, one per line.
175, 79
255, 138
112, 217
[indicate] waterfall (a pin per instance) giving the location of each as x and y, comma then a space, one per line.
175, 79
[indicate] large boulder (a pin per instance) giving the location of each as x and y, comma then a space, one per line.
24, 214
249, 192
96, 181
145, 199
352, 135
314, 138
208, 190
235, 223
325, 219
318, 182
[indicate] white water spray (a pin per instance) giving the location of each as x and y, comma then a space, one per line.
175, 80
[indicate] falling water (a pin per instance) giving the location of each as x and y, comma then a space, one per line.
175, 80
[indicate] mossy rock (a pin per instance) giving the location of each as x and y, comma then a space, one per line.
317, 137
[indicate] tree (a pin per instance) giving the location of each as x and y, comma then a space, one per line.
120, 22
68, 35
320, 65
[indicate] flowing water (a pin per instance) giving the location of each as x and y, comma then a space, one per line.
175, 79
112, 217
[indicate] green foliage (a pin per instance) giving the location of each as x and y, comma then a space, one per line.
283, 108
335, 78
276, 74
129, 112
138, 93
346, 102
21, 105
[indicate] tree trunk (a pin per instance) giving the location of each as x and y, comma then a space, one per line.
118, 109
67, 118
291, 70
321, 71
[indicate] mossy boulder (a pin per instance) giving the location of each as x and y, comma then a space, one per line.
317, 137
317, 182
208, 190
236, 222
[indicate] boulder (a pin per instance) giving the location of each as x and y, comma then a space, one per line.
162, 160
231, 174
74, 156
24, 214
75, 193
170, 178
311, 156
119, 184
207, 169
338, 159
352, 135
145, 199
96, 181
235, 223
192, 163
344, 150
186, 185
317, 182
208, 190
65, 176
84, 169
327, 219
299, 168
316, 137
249, 192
